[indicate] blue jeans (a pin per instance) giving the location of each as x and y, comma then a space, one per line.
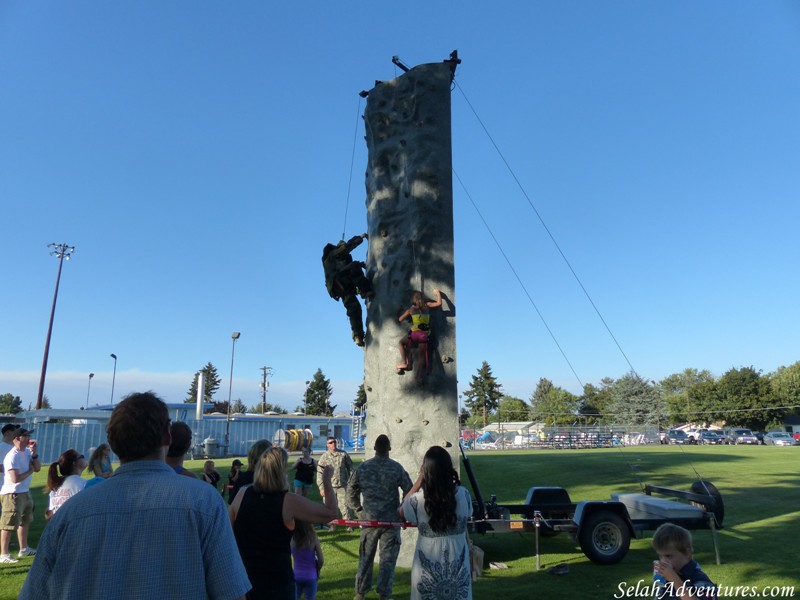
309, 587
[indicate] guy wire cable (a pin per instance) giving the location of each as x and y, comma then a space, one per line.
519, 280
544, 225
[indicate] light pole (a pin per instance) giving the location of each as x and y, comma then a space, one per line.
88, 390
113, 378
61, 252
234, 336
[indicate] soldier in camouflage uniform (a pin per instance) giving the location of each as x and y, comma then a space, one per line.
345, 280
342, 466
374, 493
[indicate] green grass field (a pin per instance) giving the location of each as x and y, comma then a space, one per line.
760, 487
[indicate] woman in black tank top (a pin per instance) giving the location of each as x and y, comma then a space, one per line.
263, 521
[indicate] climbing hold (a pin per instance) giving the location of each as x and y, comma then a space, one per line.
425, 422
398, 420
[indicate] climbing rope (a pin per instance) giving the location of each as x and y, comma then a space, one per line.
352, 161
416, 265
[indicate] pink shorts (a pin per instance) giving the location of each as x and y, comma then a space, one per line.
418, 336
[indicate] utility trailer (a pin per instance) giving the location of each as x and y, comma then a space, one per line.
602, 528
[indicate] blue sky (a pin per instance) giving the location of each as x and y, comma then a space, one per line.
197, 155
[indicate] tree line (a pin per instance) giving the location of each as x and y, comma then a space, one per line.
743, 397
316, 397
740, 397
11, 404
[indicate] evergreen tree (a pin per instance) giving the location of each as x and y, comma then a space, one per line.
553, 405
595, 403
318, 395
463, 418
211, 382
45, 403
238, 406
10, 404
361, 399
636, 401
484, 393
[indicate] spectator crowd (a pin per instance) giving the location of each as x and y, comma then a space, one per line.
172, 534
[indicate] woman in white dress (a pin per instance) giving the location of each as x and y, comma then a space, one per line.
440, 509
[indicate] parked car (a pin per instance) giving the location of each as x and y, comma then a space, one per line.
710, 438
677, 436
779, 438
744, 436
760, 437
725, 436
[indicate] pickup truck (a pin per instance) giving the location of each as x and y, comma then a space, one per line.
743, 436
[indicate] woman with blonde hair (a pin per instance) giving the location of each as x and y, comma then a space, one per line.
263, 516
246, 477
420, 315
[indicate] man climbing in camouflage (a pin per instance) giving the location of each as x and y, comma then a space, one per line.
374, 493
345, 279
342, 466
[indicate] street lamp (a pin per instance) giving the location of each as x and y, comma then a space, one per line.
113, 378
89, 389
61, 252
234, 336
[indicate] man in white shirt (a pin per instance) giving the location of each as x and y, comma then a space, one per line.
8, 441
18, 465
5, 446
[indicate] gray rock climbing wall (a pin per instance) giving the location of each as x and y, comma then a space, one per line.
410, 221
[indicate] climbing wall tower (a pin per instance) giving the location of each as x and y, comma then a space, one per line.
410, 220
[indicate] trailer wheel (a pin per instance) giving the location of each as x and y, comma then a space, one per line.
604, 537
706, 487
